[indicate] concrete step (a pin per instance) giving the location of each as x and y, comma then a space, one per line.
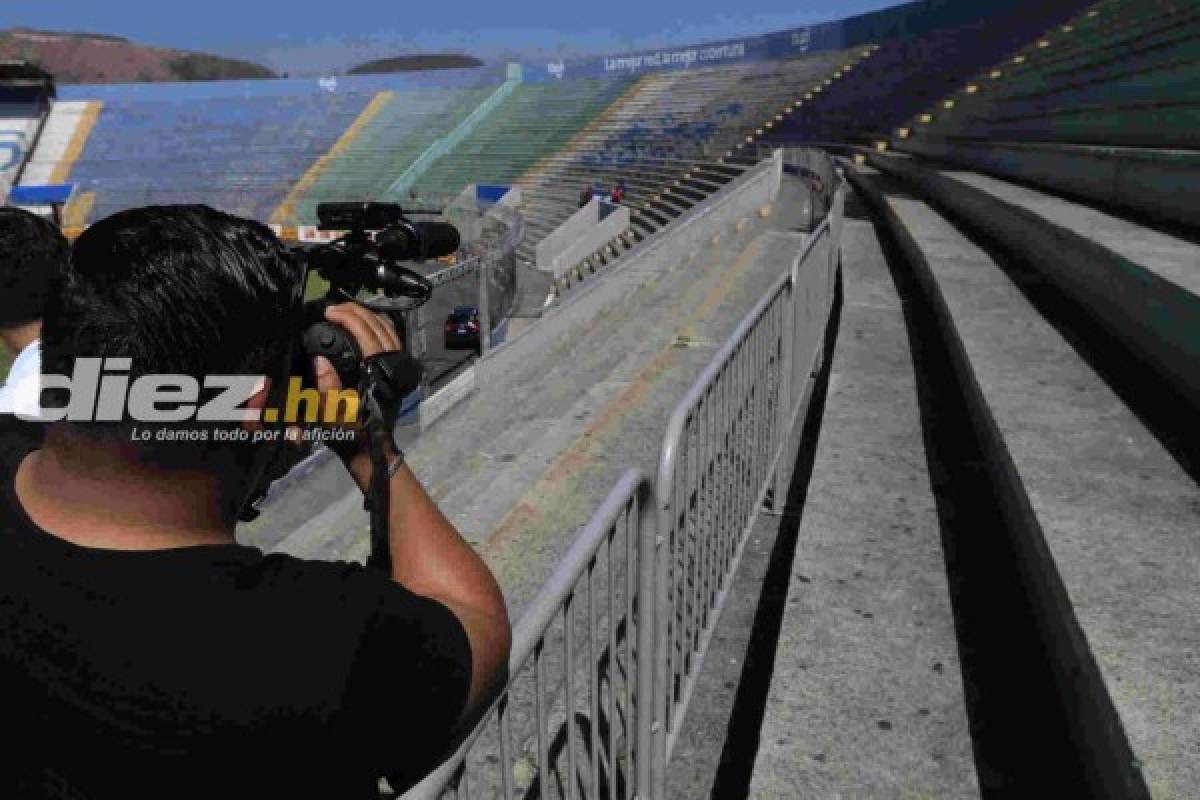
1141, 329
1170, 257
866, 696
1110, 517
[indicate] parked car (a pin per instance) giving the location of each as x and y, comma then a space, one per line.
462, 328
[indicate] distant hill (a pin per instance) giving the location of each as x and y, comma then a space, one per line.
100, 58
416, 63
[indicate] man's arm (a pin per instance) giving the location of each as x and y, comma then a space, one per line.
429, 556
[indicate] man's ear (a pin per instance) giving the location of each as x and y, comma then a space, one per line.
256, 402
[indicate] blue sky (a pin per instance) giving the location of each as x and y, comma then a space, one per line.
305, 36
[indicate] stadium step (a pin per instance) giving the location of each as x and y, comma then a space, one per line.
1169, 256
866, 696
1126, 293
1100, 517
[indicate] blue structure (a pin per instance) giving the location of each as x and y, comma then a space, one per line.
55, 194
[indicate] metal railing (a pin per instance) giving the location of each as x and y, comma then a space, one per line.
626, 658
721, 457
573, 735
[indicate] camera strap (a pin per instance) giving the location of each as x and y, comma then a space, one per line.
386, 379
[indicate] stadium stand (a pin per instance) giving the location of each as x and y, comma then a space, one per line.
1072, 333
906, 74
239, 154
1071, 330
407, 123
666, 139
868, 614
993, 582
537, 119
1122, 75
26, 93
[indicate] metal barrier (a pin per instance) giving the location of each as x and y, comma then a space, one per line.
608, 725
721, 457
587, 627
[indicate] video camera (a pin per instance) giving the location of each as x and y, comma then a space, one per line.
380, 239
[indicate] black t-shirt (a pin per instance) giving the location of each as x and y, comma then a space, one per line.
210, 671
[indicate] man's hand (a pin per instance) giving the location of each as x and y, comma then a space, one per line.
374, 334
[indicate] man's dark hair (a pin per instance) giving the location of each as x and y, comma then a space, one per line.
180, 290
32, 254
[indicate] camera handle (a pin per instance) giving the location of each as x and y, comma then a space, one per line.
337, 345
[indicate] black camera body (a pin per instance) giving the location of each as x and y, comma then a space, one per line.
380, 239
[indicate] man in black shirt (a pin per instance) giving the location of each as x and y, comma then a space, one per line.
143, 652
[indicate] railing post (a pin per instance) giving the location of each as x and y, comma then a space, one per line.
783, 411
485, 311
418, 348
649, 699
661, 546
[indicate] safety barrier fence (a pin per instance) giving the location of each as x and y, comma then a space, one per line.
579, 681
722, 456
624, 622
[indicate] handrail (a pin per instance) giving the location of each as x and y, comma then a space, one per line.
721, 456
630, 500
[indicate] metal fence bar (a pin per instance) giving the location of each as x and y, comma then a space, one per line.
627, 511
569, 697
593, 683
543, 734
611, 708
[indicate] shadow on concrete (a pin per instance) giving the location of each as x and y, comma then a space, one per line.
1023, 742
736, 767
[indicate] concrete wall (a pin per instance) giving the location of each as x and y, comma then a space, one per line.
816, 168
1160, 184
582, 234
464, 213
